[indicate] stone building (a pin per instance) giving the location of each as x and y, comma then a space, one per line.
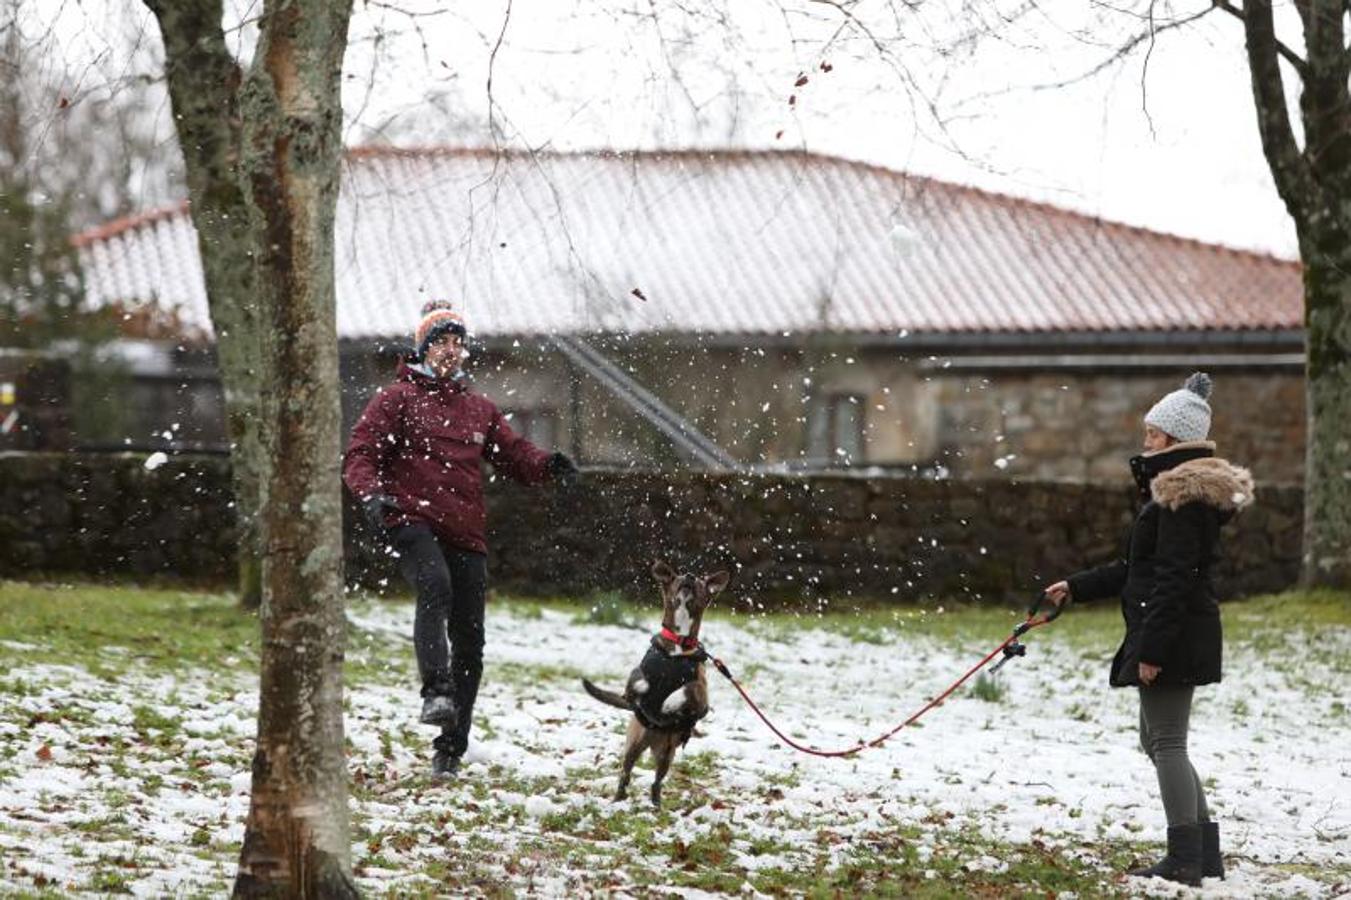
799, 310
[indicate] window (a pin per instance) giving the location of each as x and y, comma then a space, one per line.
835, 430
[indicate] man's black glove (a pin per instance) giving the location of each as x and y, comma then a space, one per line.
374, 507
563, 470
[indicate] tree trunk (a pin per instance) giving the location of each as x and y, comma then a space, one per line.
1315, 184
204, 83
296, 837
1327, 491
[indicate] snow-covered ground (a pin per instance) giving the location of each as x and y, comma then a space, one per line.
140, 783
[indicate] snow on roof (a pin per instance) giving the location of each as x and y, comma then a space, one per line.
733, 242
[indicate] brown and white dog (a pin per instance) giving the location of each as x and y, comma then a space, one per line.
668, 692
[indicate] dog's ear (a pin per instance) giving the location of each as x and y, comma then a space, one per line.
662, 572
716, 582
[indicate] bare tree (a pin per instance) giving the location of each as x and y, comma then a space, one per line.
75, 150
263, 148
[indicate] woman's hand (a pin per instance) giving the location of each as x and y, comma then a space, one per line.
1058, 593
1148, 673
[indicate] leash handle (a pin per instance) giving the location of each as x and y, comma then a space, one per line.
1047, 617
1040, 600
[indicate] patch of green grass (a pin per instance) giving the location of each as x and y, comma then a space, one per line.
1326, 873
988, 688
17, 687
528, 610
114, 875
1300, 610
44, 892
373, 658
165, 629
608, 608
891, 865
701, 764
521, 673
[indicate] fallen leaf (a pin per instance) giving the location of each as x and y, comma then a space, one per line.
45, 753
639, 294
801, 80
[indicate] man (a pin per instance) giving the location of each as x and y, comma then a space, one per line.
414, 462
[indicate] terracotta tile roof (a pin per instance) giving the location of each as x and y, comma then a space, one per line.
723, 242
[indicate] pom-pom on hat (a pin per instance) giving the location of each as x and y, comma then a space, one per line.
437, 318
1185, 413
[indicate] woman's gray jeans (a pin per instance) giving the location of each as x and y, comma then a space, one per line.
1164, 714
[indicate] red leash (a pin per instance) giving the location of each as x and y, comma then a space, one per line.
1010, 645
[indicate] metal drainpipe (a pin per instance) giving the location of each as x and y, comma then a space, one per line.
692, 442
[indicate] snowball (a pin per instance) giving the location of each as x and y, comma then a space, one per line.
904, 240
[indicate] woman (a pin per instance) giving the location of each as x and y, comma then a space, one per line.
1173, 639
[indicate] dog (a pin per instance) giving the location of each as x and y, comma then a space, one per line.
668, 692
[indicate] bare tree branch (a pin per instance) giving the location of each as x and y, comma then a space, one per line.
1151, 32
492, 61
1294, 181
1325, 100
1290, 56
844, 10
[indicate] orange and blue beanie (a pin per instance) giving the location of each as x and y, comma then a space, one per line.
437, 319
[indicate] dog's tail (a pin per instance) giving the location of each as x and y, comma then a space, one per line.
605, 696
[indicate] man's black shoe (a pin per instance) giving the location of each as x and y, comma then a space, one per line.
445, 765
438, 709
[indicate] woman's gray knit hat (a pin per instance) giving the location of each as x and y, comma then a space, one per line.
1184, 413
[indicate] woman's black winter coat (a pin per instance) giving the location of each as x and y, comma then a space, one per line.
1167, 595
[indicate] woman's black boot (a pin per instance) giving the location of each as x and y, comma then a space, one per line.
1183, 862
1212, 863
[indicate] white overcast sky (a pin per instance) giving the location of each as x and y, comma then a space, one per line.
1171, 146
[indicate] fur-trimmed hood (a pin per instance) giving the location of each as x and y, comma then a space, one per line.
1214, 481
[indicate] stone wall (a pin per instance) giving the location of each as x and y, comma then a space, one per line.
825, 538
1084, 425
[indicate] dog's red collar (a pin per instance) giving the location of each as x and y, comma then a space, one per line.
683, 642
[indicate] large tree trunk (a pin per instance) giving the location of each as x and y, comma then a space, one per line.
296, 838
1315, 184
204, 83
264, 154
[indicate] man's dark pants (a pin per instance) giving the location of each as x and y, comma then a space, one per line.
450, 585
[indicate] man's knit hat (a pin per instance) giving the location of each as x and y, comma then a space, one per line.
1184, 414
437, 319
